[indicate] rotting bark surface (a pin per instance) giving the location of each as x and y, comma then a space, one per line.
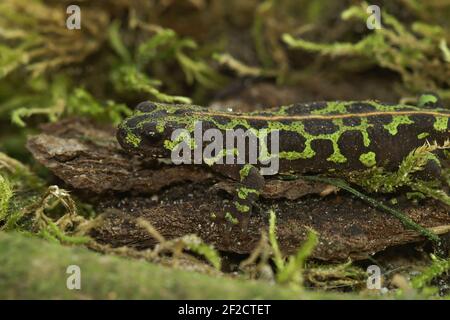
88, 159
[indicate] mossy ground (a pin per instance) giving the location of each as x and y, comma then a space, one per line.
128, 52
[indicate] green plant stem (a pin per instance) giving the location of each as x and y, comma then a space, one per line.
407, 222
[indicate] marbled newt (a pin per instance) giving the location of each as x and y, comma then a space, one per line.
314, 137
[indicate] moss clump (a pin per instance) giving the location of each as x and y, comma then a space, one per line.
108, 277
5, 197
418, 52
379, 180
437, 268
243, 192
423, 135
289, 271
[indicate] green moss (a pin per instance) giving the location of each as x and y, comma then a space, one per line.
422, 135
112, 277
417, 52
130, 78
407, 222
438, 267
289, 271
196, 245
377, 179
427, 99
55, 234
432, 189
5, 197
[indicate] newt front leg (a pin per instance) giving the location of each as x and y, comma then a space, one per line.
249, 186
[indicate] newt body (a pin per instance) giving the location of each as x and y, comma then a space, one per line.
313, 137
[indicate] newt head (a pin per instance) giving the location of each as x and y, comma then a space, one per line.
148, 130
142, 132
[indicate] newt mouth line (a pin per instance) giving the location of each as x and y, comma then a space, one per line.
323, 117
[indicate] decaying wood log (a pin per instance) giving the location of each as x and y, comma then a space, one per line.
179, 200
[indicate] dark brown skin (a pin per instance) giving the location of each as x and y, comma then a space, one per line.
313, 137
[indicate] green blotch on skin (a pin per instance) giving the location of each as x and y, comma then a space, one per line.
188, 122
244, 172
337, 157
133, 139
160, 126
241, 207
332, 107
222, 154
441, 123
342, 107
264, 150
294, 155
171, 145
168, 116
396, 121
230, 218
422, 135
243, 192
368, 159
308, 152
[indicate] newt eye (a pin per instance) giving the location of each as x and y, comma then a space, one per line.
152, 137
126, 138
146, 107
